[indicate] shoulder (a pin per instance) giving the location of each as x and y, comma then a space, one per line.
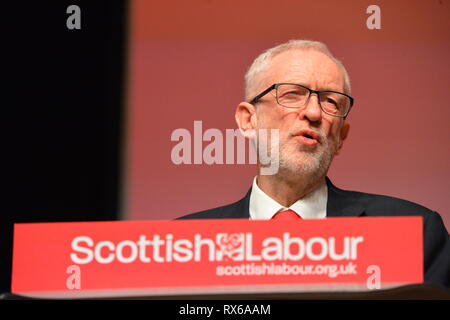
381, 205
236, 210
377, 204
224, 212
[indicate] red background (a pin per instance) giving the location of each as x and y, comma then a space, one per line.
187, 60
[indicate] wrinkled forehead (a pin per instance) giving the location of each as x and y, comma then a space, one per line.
305, 66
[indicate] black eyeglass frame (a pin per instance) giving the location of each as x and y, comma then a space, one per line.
276, 85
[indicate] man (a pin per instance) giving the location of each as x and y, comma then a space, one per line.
302, 91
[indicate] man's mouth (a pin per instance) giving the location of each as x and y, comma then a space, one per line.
308, 137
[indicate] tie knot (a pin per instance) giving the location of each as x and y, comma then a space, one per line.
286, 215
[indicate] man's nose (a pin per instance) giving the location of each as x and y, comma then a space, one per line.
312, 109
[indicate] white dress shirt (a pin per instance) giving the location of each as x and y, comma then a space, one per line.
312, 206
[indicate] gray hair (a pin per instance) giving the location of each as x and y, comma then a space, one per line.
262, 62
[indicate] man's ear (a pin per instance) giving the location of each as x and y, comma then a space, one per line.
343, 135
246, 119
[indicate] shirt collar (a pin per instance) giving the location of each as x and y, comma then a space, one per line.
312, 206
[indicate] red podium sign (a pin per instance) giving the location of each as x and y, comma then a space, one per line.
132, 258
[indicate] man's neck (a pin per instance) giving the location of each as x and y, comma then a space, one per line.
287, 191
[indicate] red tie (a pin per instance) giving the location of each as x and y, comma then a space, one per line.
286, 215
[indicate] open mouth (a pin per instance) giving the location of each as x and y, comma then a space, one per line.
309, 134
308, 137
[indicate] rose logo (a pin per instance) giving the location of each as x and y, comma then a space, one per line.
231, 245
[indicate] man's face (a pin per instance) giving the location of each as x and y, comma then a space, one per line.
298, 154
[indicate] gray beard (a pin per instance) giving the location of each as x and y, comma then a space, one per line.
297, 162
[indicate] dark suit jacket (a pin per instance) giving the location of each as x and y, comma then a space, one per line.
343, 203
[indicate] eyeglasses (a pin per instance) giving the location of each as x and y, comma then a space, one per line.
294, 96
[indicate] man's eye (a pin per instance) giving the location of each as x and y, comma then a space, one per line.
291, 94
331, 101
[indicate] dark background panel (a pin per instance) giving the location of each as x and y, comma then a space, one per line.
62, 100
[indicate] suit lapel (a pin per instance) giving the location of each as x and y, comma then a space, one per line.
240, 209
342, 203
